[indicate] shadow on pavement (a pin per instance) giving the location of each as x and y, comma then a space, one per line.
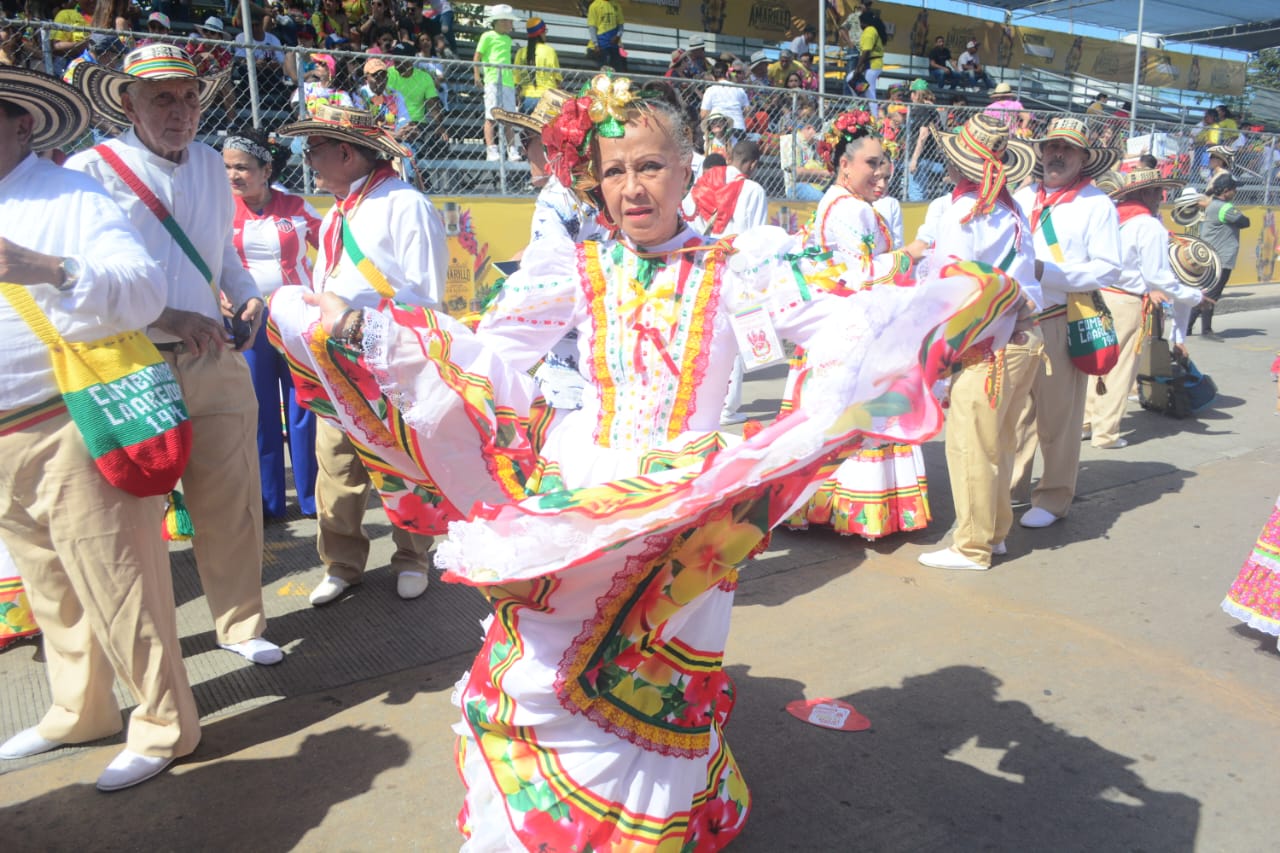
264, 804
947, 765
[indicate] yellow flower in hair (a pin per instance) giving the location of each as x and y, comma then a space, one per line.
610, 98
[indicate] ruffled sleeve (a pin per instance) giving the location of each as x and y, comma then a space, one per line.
797, 285
537, 305
849, 227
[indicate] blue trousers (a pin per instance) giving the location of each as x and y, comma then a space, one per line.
272, 383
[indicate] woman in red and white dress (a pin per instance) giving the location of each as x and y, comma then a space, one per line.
273, 230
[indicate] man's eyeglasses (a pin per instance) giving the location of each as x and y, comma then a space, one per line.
310, 150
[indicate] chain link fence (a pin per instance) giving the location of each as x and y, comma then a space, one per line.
442, 120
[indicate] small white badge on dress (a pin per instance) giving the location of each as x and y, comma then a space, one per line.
757, 339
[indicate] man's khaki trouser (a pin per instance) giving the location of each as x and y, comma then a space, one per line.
96, 573
1051, 420
342, 493
223, 489
980, 447
1103, 412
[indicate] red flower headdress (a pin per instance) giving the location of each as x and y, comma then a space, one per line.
855, 124
601, 108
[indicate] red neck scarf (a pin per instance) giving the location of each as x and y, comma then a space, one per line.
1045, 203
1129, 208
716, 198
967, 186
345, 207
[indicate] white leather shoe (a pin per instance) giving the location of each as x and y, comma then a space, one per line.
257, 650
25, 744
327, 590
1113, 445
999, 549
411, 584
128, 769
1037, 517
733, 418
949, 559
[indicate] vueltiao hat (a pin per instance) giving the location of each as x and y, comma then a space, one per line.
966, 149
544, 112
1186, 207
1224, 153
347, 124
1074, 132
104, 87
61, 113
1142, 179
1194, 261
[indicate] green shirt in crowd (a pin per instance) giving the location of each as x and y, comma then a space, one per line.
494, 48
417, 88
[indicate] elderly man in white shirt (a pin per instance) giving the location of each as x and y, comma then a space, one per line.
1144, 246
381, 239
1077, 245
983, 223
175, 192
95, 569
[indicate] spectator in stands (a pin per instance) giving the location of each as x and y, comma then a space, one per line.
696, 65
717, 135
728, 100
112, 15
975, 73
1124, 110
331, 20
377, 21
758, 70
410, 23
1228, 129
941, 68
384, 41
959, 113
266, 60
428, 60
439, 17
1004, 104
297, 63
785, 66
418, 89
604, 42
387, 106
811, 81
493, 71
318, 83
69, 41
542, 56
871, 53
1099, 105
676, 63
802, 171
925, 164
443, 47
805, 42
158, 28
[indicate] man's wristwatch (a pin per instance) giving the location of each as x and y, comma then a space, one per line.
70, 273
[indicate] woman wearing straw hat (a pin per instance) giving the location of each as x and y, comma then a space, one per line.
1145, 274
983, 224
594, 716
1077, 251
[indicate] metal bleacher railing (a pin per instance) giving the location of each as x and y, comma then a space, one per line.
451, 158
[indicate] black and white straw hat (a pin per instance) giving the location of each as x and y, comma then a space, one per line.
61, 113
105, 87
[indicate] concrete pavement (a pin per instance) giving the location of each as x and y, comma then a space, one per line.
1085, 694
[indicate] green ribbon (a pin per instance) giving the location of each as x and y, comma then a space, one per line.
646, 269
811, 253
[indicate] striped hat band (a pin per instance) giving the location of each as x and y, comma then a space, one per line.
159, 67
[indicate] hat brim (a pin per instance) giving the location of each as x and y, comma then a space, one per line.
1211, 273
105, 90
61, 114
1167, 184
1097, 161
382, 142
1186, 212
1019, 159
523, 120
